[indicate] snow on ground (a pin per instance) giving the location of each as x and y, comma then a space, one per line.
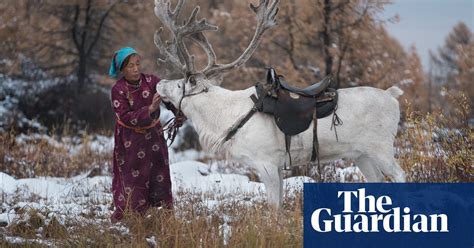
72, 196
12, 90
88, 200
96, 143
220, 179
198, 178
217, 178
63, 196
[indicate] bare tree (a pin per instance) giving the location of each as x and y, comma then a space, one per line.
339, 19
453, 68
76, 35
344, 38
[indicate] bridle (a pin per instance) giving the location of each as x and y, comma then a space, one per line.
173, 128
192, 79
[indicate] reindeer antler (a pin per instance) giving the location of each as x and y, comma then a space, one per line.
176, 53
266, 14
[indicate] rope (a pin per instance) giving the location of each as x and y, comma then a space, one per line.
336, 121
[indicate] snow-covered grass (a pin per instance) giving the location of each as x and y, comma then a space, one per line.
429, 150
55, 191
211, 208
12, 91
27, 156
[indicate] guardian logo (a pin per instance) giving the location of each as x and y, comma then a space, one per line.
388, 215
374, 212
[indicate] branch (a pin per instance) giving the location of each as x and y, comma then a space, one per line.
266, 18
339, 64
101, 24
59, 66
356, 23
66, 50
288, 51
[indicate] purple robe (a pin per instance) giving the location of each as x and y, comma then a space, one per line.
141, 176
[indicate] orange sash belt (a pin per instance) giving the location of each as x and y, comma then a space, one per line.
139, 129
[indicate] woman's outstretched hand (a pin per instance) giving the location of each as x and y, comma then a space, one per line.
155, 104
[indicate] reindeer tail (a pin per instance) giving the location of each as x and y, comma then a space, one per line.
394, 91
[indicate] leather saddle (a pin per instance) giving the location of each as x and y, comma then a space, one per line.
294, 109
310, 91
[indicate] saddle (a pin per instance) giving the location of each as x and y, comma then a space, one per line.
294, 109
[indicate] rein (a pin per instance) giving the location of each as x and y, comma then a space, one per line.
170, 125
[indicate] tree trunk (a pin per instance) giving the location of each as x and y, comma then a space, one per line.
81, 74
292, 36
213, 4
430, 85
326, 36
339, 65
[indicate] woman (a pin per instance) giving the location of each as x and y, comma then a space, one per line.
141, 176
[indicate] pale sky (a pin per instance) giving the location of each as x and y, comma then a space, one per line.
426, 23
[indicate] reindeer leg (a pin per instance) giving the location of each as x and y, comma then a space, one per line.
370, 167
271, 175
377, 167
396, 172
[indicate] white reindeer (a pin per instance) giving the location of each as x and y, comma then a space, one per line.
370, 115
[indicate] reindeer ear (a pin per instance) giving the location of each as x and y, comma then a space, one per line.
216, 79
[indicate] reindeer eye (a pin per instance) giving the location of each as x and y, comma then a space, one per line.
192, 80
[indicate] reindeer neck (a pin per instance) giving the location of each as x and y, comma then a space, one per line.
214, 112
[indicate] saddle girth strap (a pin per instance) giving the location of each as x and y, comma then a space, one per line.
315, 153
287, 146
240, 123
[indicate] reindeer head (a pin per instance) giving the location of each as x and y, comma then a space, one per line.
175, 52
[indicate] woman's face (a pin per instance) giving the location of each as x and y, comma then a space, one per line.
132, 71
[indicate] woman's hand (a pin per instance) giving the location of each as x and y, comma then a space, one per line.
155, 104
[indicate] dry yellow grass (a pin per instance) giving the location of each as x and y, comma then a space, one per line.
434, 147
233, 224
38, 155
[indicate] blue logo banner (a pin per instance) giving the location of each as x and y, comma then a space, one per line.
389, 215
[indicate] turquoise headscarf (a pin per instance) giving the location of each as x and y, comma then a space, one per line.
117, 60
